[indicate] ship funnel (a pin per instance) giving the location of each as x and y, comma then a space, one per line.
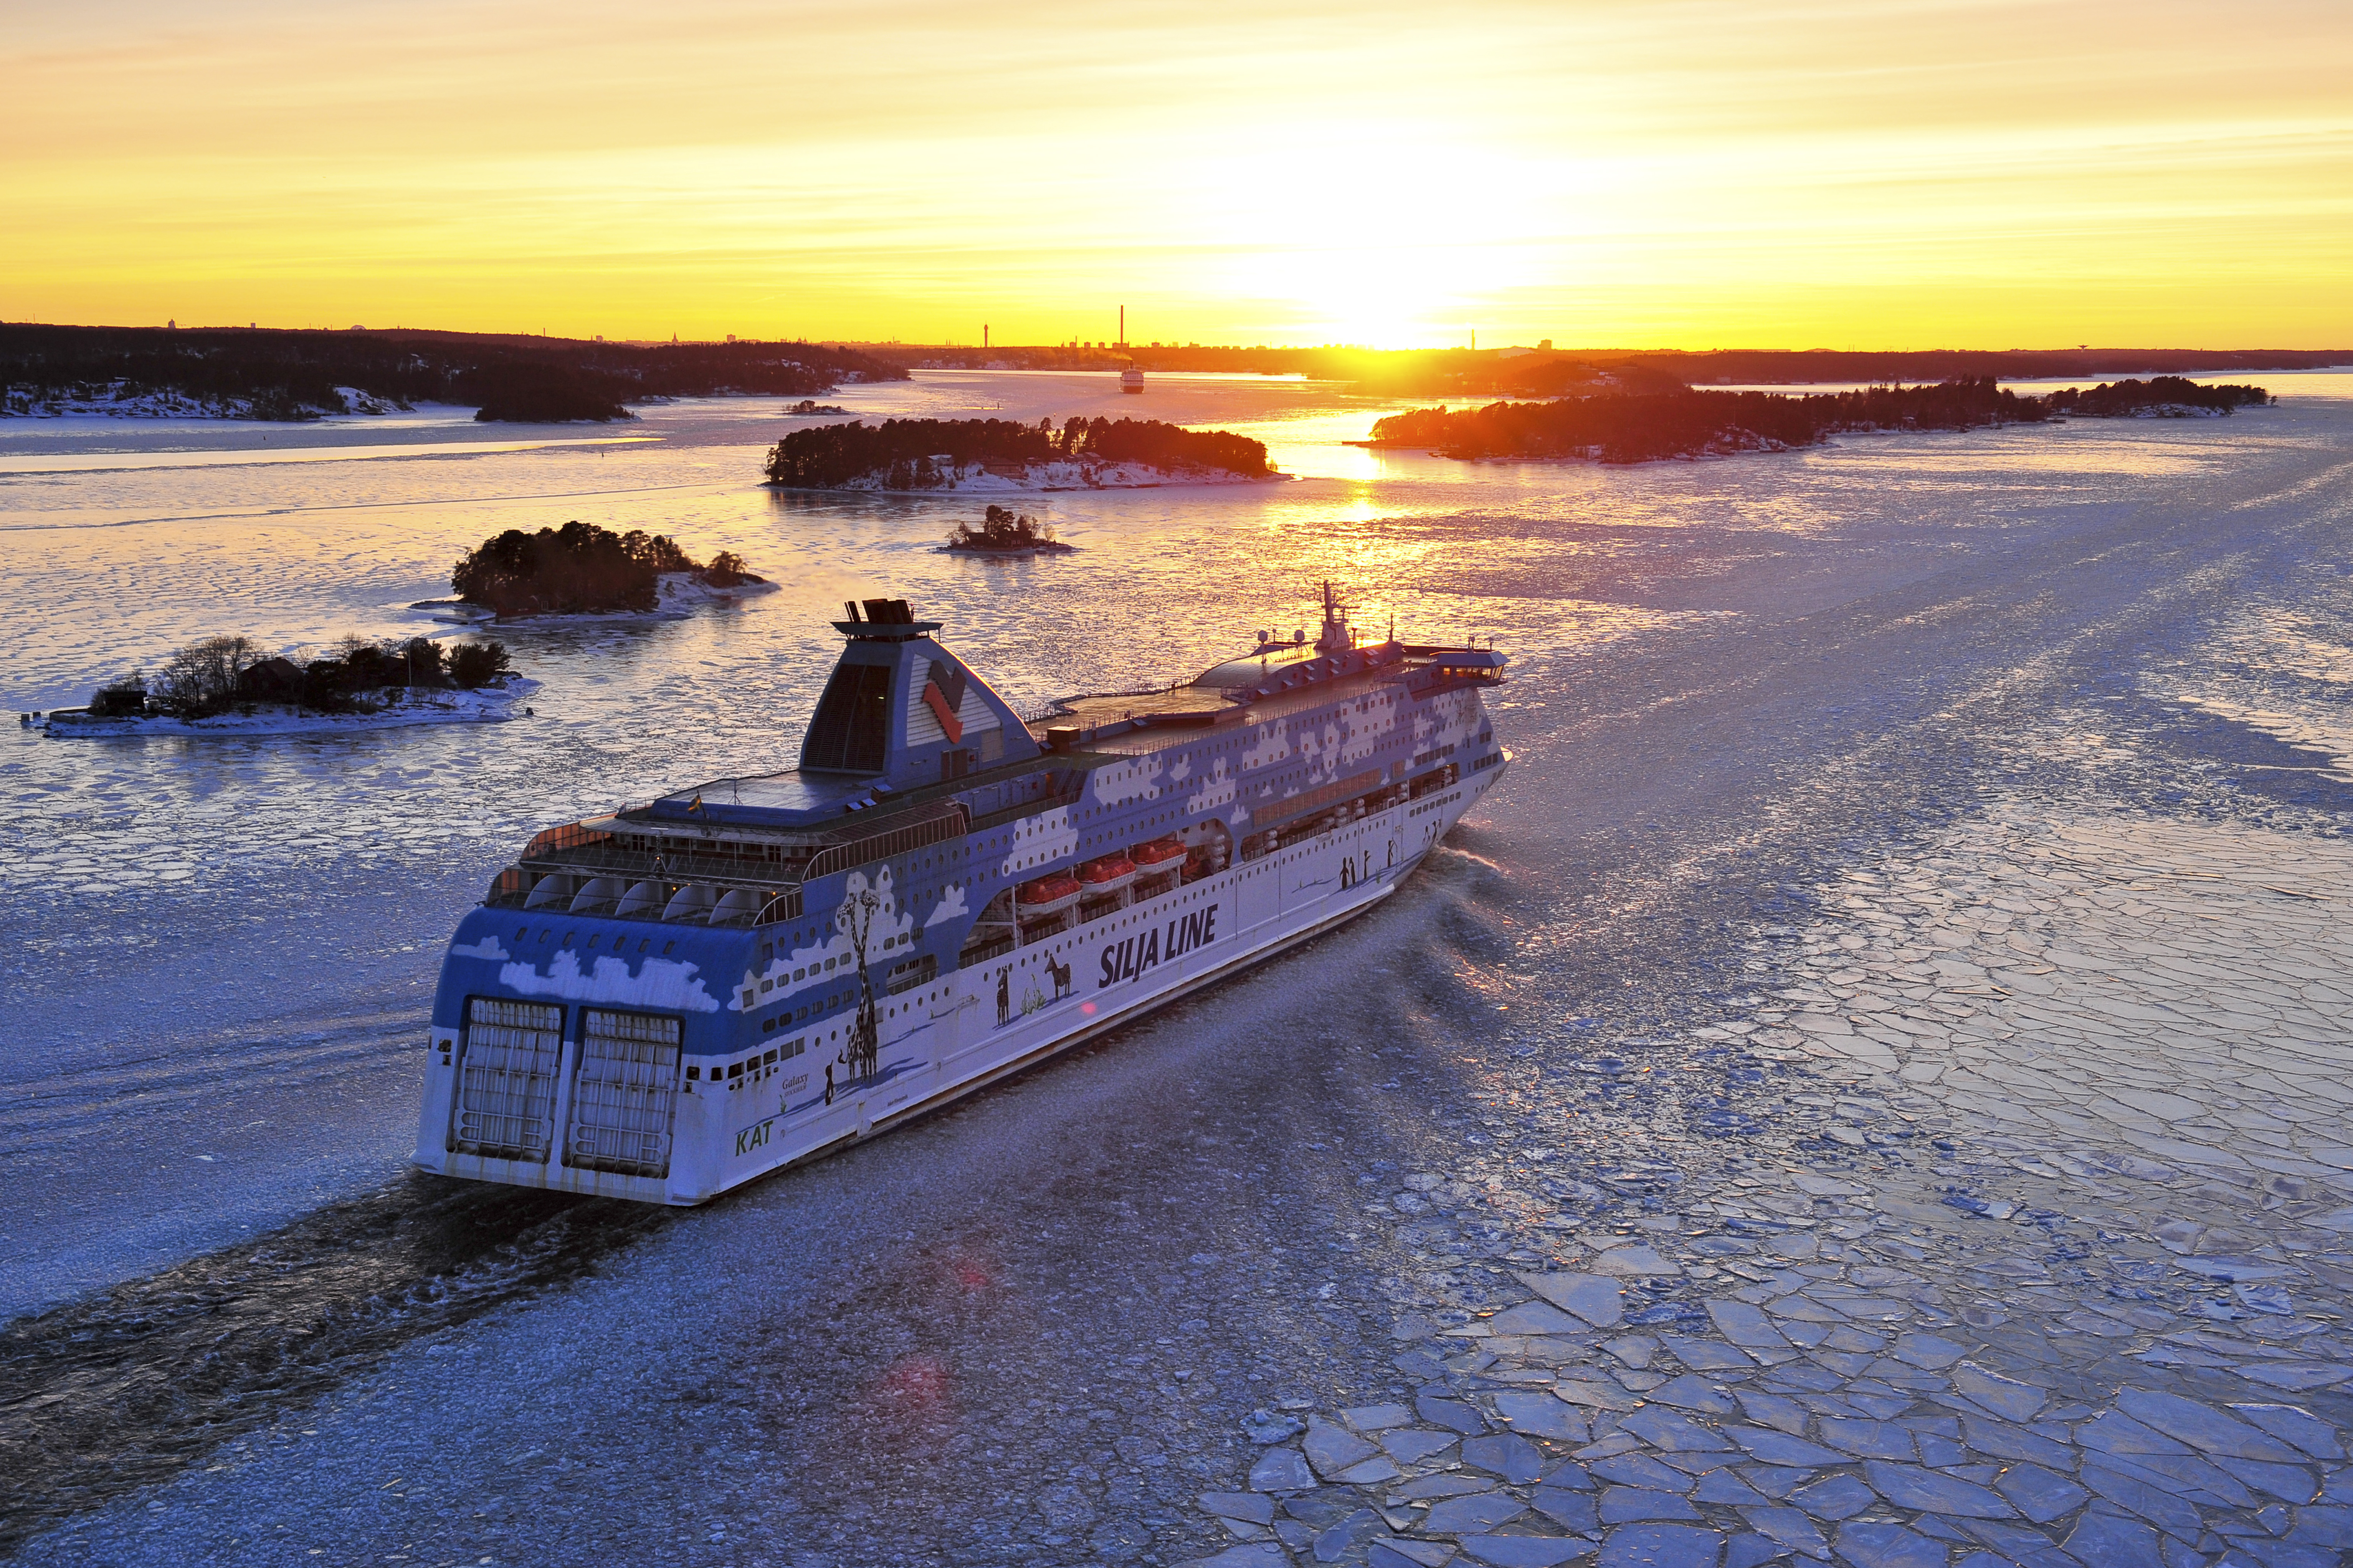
903, 710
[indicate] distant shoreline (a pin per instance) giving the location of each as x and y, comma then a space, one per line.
228, 373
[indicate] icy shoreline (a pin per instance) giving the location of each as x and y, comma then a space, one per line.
489, 705
676, 595
120, 402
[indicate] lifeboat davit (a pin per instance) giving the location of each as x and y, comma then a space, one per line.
1048, 896
1159, 857
1106, 875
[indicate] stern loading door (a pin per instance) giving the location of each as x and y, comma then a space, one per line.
625, 1095
506, 1079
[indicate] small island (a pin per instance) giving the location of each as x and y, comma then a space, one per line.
1003, 455
811, 408
581, 568
2158, 397
1642, 427
1002, 533
227, 686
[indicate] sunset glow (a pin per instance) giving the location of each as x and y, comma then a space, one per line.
1695, 175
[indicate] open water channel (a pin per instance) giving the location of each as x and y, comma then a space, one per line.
1870, 1084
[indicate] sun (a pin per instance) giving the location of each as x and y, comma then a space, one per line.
1386, 239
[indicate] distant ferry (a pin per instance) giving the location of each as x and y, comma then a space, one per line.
669, 1001
1131, 380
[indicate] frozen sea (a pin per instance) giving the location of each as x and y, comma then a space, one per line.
1870, 1084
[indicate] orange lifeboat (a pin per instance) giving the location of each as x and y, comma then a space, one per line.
1106, 875
1159, 857
1049, 895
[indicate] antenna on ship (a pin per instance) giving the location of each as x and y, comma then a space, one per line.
1336, 636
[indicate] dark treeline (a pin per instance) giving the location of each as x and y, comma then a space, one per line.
1621, 427
219, 674
1782, 366
580, 569
1551, 372
2158, 392
296, 375
905, 454
1547, 373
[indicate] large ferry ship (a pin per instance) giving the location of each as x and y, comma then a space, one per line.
669, 1001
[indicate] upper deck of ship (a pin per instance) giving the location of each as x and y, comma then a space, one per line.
1273, 682
753, 841
1021, 767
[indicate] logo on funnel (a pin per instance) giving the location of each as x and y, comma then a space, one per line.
943, 694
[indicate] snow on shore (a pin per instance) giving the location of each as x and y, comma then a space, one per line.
680, 592
489, 705
677, 594
1083, 474
119, 401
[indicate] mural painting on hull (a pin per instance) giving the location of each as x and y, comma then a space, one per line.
855, 920
1032, 1000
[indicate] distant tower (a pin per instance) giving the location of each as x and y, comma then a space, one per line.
983, 334
1122, 326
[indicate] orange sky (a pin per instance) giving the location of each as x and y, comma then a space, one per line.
1717, 174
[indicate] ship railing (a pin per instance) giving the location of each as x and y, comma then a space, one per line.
569, 836
570, 888
1039, 713
943, 821
589, 874
1068, 794
606, 857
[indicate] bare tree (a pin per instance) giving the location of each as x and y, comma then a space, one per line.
201, 678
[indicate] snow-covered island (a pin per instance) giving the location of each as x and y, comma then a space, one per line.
582, 570
2158, 397
1002, 534
1642, 427
1001, 457
225, 685
492, 704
